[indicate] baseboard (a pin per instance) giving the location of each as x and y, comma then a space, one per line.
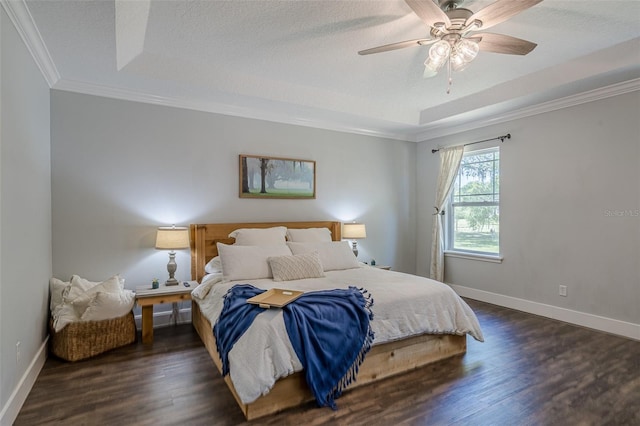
608, 325
165, 318
19, 395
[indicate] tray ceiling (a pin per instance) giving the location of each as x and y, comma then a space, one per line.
297, 62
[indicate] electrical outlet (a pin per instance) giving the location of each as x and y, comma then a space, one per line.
562, 290
18, 352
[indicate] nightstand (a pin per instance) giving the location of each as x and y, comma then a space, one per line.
146, 297
386, 268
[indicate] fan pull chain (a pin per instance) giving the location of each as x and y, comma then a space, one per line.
449, 78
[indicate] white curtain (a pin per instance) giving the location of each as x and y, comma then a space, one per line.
449, 164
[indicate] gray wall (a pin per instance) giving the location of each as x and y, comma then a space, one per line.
564, 175
120, 169
25, 212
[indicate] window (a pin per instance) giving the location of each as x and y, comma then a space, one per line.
473, 213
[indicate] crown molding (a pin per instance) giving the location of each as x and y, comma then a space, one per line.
426, 133
224, 109
438, 130
22, 20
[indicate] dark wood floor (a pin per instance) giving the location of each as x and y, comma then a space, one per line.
530, 371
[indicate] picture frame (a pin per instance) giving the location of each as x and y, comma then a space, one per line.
276, 177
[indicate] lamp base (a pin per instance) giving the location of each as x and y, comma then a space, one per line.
171, 281
354, 247
171, 268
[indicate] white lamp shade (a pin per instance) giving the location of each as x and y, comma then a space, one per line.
172, 238
353, 231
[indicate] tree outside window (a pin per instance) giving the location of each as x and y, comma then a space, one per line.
473, 213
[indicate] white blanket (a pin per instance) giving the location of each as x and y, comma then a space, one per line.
404, 305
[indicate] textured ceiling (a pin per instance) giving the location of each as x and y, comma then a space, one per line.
297, 62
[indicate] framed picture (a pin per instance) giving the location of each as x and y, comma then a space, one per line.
271, 177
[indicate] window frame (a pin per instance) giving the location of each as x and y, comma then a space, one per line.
450, 251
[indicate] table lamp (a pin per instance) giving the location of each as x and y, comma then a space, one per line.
172, 238
354, 231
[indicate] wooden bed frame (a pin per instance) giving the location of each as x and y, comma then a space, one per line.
382, 361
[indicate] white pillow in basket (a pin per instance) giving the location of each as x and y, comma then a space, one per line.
63, 315
259, 236
57, 288
78, 286
112, 285
109, 305
296, 267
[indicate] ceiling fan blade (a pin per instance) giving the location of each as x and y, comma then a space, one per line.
395, 46
499, 12
500, 43
429, 12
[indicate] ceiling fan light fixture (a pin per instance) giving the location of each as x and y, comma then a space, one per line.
451, 29
440, 51
457, 62
438, 56
428, 71
463, 53
434, 66
467, 49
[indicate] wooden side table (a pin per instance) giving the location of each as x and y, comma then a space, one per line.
146, 297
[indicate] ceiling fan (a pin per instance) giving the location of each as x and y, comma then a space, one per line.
454, 37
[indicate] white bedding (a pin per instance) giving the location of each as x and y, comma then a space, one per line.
404, 305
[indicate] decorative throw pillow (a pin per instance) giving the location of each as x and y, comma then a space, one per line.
78, 286
334, 256
109, 305
259, 236
63, 315
213, 266
296, 267
248, 262
309, 235
57, 288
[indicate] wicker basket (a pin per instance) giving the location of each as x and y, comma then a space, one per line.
82, 340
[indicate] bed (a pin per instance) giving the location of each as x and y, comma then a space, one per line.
394, 356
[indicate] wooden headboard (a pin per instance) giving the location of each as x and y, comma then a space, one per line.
205, 236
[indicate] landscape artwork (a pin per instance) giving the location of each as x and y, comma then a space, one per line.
270, 177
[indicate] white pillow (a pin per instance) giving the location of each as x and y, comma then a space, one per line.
248, 262
78, 286
63, 315
296, 267
309, 235
109, 305
213, 266
259, 237
57, 288
112, 285
334, 256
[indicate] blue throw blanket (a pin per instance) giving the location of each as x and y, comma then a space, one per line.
329, 331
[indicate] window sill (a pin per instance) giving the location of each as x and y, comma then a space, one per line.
474, 256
